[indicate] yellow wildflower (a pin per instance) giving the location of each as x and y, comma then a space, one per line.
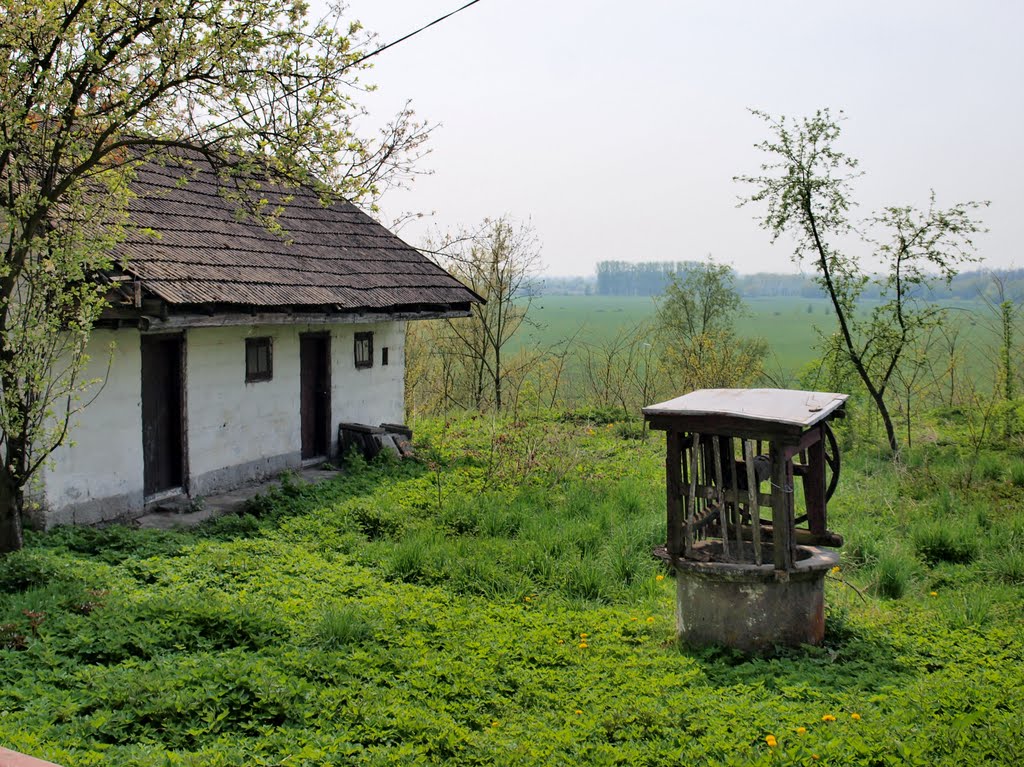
835, 570
579, 711
828, 718
659, 577
815, 757
855, 717
494, 724
770, 740
583, 645
801, 730
650, 619
584, 635
933, 593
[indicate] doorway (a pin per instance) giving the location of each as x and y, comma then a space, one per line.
315, 394
163, 423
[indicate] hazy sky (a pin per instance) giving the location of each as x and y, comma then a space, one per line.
617, 127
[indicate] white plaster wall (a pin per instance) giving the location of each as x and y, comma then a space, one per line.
372, 395
240, 431
236, 432
231, 423
97, 473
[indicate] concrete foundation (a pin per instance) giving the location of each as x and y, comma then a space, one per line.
746, 606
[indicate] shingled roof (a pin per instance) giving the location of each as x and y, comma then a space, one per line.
189, 246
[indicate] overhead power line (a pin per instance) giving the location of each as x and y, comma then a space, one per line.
413, 34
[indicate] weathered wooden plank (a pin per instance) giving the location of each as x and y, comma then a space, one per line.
691, 503
734, 501
782, 501
717, 457
753, 498
814, 486
674, 493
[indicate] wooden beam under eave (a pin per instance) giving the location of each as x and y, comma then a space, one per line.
190, 320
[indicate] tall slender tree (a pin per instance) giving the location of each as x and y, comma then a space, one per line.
805, 188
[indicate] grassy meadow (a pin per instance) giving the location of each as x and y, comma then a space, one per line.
495, 602
791, 325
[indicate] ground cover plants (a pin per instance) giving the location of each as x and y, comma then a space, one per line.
495, 602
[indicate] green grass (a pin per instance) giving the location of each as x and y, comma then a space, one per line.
790, 325
520, 620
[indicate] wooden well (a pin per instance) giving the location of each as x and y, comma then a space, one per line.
735, 514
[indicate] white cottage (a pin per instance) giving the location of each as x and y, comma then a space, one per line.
236, 350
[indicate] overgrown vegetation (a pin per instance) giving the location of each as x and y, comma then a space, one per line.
495, 602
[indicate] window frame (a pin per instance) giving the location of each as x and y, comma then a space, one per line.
254, 346
362, 350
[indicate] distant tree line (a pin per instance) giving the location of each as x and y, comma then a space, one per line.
651, 278
645, 278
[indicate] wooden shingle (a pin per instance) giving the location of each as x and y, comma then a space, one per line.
189, 245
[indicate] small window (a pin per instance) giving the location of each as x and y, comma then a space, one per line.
259, 361
384, 355
364, 350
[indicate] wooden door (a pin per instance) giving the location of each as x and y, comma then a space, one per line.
315, 393
162, 416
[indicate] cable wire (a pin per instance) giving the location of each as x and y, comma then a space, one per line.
412, 34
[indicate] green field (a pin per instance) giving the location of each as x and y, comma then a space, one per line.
792, 326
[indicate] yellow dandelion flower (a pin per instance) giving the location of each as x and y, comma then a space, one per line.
815, 757
634, 618
494, 724
584, 635
801, 730
835, 570
828, 718
855, 717
770, 740
933, 593
579, 711
561, 641
650, 619
659, 577
583, 645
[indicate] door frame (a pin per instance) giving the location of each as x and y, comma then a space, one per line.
180, 337
325, 359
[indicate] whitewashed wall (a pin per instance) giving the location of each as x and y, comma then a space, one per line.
97, 474
236, 432
373, 395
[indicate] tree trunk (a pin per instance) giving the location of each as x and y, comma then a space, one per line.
11, 538
890, 429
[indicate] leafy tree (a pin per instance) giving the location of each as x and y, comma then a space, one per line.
806, 188
1004, 314
499, 262
92, 88
696, 321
